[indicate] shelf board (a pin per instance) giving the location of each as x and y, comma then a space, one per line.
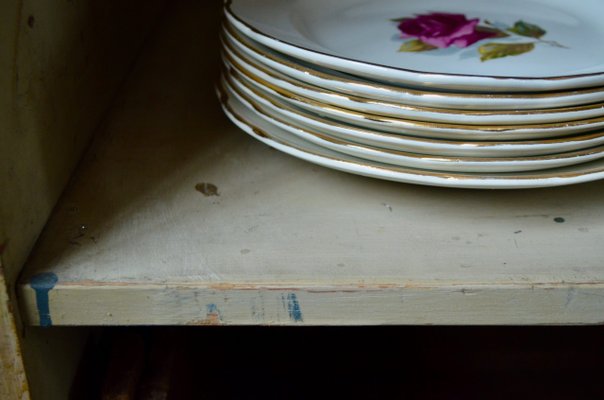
276, 240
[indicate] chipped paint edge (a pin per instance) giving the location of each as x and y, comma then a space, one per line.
178, 304
13, 379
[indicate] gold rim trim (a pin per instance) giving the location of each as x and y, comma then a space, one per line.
238, 69
418, 109
286, 108
259, 109
228, 9
235, 36
410, 171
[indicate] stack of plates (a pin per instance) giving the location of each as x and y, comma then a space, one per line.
472, 93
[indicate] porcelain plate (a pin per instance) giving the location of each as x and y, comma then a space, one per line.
474, 45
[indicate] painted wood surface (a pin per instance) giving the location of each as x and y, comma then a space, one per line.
176, 217
13, 381
61, 64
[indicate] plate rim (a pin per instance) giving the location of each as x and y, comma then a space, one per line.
440, 130
596, 152
447, 179
470, 117
480, 80
284, 107
232, 34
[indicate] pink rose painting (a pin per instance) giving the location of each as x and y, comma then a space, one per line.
443, 30
439, 30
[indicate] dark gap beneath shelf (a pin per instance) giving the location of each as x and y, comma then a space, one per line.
363, 362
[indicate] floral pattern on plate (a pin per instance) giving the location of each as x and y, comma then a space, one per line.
439, 30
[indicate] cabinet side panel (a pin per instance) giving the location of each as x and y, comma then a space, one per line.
13, 382
61, 64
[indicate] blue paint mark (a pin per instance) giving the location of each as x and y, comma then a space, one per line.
213, 309
43, 284
293, 308
213, 312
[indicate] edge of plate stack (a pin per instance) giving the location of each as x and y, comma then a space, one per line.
407, 133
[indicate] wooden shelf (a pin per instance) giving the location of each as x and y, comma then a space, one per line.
135, 240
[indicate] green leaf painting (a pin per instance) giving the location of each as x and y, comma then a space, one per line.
440, 30
491, 51
416, 45
529, 30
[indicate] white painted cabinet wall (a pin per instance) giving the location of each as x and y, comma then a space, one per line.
61, 64
136, 240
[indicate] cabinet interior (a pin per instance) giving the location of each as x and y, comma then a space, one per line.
113, 131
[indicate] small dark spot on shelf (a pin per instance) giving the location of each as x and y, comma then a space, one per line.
31, 21
246, 251
559, 220
517, 232
207, 189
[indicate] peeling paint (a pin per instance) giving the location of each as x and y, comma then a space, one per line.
222, 286
13, 383
213, 317
213, 310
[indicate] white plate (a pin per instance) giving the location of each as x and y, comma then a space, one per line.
381, 107
398, 142
290, 144
422, 161
422, 129
345, 83
557, 42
